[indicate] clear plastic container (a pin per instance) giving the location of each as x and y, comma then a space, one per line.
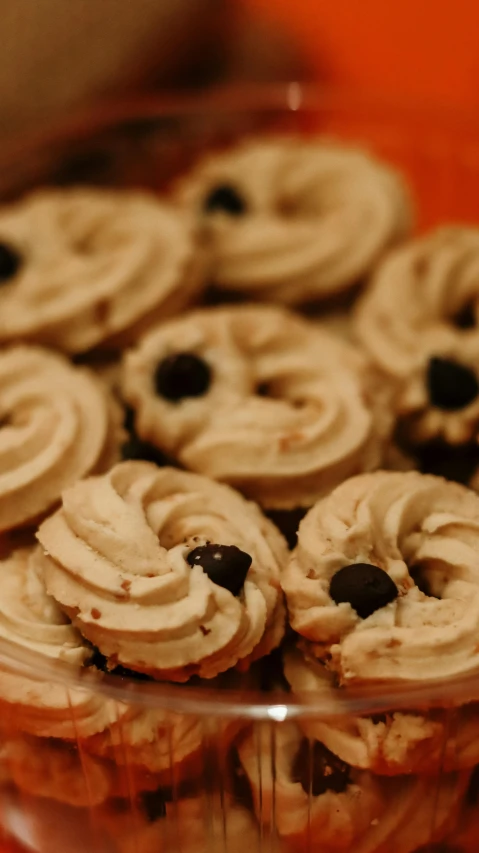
130, 766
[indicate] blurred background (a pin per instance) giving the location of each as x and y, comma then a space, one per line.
61, 55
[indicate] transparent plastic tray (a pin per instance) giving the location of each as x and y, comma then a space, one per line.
214, 768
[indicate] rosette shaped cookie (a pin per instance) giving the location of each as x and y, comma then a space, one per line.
292, 220
57, 424
192, 825
31, 620
390, 743
317, 802
54, 769
63, 771
419, 322
384, 582
259, 398
80, 267
166, 572
173, 747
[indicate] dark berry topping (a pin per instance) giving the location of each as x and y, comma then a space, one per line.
454, 462
10, 262
319, 770
224, 198
182, 375
365, 587
466, 317
225, 565
154, 805
451, 386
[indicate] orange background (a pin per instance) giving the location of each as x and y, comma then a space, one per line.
423, 48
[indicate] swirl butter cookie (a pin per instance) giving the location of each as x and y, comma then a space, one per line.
166, 572
390, 743
384, 582
259, 398
292, 220
43, 767
419, 324
192, 825
57, 424
31, 620
66, 772
80, 267
315, 800
171, 747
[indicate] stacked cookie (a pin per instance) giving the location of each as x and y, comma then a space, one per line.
167, 421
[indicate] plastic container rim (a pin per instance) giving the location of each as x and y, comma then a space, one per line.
206, 700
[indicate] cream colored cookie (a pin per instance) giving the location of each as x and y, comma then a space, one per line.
80, 267
194, 825
390, 743
58, 423
259, 398
53, 769
174, 747
292, 219
166, 572
418, 322
316, 801
31, 621
65, 772
384, 582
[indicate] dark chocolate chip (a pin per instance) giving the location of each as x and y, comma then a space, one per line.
454, 462
466, 317
182, 375
225, 198
225, 565
451, 386
365, 587
154, 805
318, 770
10, 262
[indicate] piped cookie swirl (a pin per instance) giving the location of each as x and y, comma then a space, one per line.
259, 398
293, 220
166, 572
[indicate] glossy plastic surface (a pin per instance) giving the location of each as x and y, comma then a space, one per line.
215, 768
